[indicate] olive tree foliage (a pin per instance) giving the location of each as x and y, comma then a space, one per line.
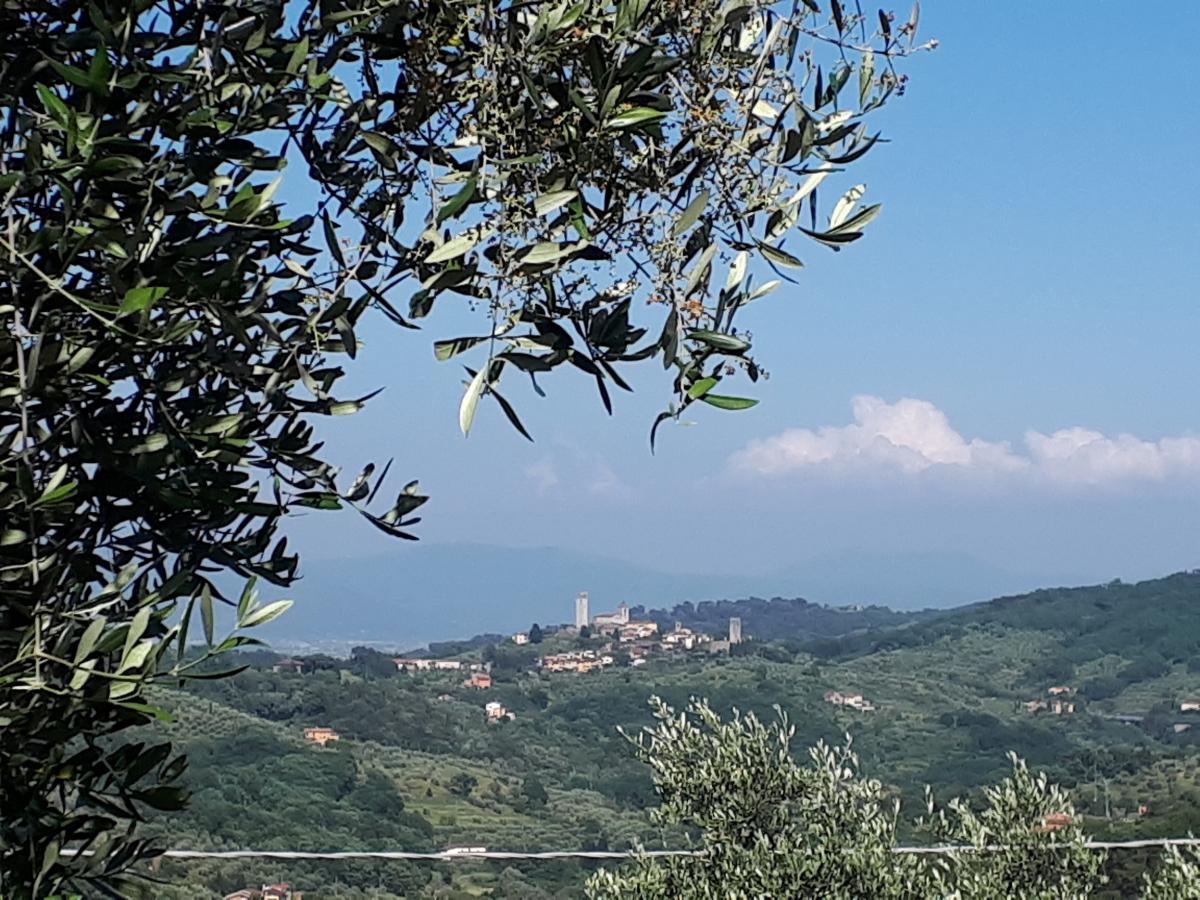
771, 826
1026, 834
174, 331
1177, 878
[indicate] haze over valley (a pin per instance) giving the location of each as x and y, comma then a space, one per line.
433, 592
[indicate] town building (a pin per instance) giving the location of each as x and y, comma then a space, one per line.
1058, 707
321, 735
1181, 727
735, 630
621, 627
295, 666
496, 712
521, 637
479, 680
853, 701
282, 891
1189, 706
684, 638
1055, 821
636, 631
405, 664
620, 617
581, 610
1061, 689
575, 661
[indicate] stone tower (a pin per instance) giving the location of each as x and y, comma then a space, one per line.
735, 630
581, 610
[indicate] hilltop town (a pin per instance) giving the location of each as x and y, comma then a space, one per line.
616, 633
588, 644
595, 642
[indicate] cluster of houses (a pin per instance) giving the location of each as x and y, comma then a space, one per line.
321, 735
1176, 727
620, 627
1186, 706
422, 664
575, 661
480, 679
685, 638
1057, 704
640, 639
281, 891
1057, 707
851, 701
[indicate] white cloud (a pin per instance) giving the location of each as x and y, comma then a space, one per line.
578, 472
543, 474
914, 436
608, 484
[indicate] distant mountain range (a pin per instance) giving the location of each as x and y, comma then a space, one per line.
432, 592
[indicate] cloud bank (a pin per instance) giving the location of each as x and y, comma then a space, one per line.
910, 437
576, 471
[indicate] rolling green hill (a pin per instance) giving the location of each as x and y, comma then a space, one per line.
1152, 623
419, 767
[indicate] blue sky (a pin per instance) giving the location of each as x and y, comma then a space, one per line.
1034, 270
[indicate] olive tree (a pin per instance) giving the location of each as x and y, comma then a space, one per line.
1026, 832
603, 181
1177, 878
770, 826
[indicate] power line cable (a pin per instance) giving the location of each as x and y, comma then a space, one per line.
459, 855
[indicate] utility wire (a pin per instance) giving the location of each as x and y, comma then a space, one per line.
468, 854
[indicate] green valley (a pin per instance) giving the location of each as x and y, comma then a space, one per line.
933, 700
